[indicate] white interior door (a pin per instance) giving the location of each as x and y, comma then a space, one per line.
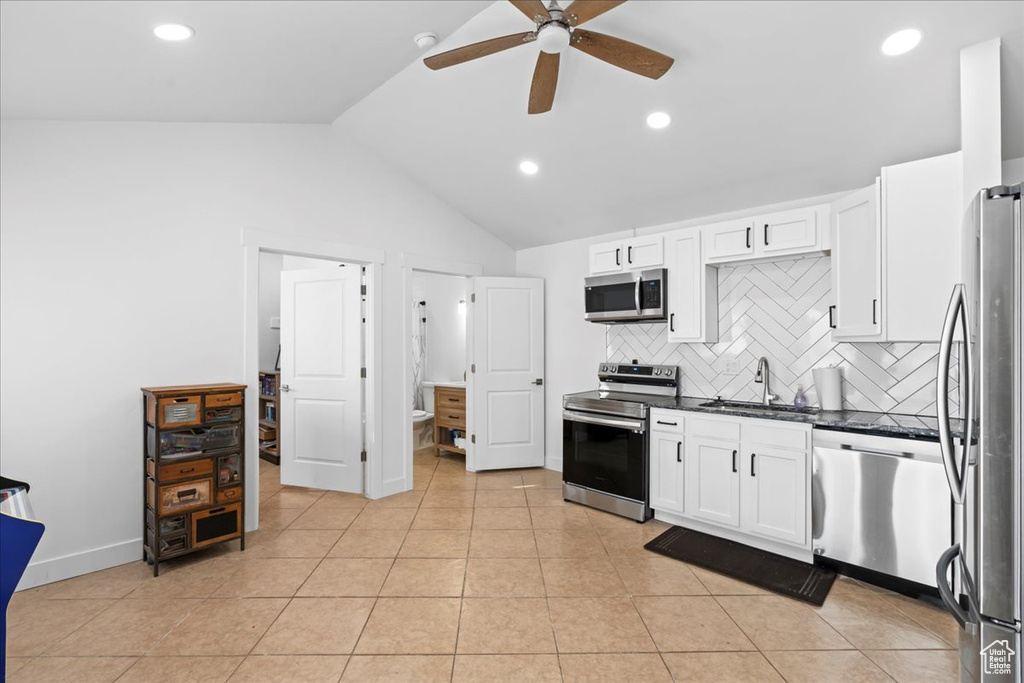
321, 422
506, 401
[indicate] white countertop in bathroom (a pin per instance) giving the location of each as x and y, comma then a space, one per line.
451, 385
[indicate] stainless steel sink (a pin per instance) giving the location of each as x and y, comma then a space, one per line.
723, 404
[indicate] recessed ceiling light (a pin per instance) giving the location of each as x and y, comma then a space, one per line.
658, 120
901, 41
173, 32
528, 167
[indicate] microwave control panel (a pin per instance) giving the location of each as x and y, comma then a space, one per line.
650, 294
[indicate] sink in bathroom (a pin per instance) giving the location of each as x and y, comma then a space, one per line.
725, 405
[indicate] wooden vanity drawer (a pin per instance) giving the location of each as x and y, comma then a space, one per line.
229, 495
221, 400
449, 398
182, 470
450, 417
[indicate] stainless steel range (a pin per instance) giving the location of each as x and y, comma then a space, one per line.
604, 437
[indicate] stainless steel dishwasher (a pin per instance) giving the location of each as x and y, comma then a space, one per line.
880, 503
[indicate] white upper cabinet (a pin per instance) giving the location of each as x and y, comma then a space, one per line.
692, 289
922, 214
769, 236
636, 253
857, 267
730, 240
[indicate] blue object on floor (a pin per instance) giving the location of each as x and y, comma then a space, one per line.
19, 538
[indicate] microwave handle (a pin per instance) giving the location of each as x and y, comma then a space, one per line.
636, 293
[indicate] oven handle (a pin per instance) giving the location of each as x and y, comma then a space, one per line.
604, 420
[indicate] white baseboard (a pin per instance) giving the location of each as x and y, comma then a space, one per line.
76, 564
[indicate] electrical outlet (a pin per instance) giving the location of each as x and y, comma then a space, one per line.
732, 367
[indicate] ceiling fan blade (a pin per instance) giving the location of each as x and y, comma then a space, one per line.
531, 8
477, 50
585, 10
545, 78
622, 53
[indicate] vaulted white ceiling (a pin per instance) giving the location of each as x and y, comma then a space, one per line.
266, 61
770, 101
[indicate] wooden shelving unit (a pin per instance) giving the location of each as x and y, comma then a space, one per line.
449, 415
270, 416
193, 477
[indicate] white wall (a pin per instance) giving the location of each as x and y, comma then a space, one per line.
446, 327
573, 348
1013, 171
121, 266
270, 308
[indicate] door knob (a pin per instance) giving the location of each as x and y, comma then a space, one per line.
538, 382
285, 387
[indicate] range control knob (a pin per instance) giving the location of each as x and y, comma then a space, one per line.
669, 371
657, 371
604, 368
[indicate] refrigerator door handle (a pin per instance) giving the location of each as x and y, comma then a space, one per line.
955, 477
945, 592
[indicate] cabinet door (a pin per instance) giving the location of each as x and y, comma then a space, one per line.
693, 290
713, 480
857, 266
726, 241
667, 471
775, 493
787, 232
644, 252
921, 223
606, 258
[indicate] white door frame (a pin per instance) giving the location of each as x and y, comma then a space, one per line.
441, 266
253, 242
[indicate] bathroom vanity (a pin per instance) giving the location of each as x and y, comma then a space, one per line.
449, 417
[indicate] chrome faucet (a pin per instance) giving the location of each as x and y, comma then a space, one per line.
762, 378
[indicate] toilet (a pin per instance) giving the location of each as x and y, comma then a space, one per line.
422, 429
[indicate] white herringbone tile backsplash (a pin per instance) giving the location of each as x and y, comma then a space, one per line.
780, 310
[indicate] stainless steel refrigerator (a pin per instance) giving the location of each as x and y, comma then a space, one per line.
979, 577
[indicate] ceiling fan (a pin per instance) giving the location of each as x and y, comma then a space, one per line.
557, 29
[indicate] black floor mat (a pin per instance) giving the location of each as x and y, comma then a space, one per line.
766, 570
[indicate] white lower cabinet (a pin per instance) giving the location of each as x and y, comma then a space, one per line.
667, 470
773, 493
712, 480
753, 489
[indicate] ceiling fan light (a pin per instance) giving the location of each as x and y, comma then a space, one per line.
553, 38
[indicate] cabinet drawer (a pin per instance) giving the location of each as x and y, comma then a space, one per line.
450, 417
167, 546
181, 470
182, 497
220, 400
728, 430
777, 435
218, 524
229, 495
178, 411
667, 421
449, 398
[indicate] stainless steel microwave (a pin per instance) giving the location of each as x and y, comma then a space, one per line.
626, 297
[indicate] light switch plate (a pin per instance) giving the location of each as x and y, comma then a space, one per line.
732, 367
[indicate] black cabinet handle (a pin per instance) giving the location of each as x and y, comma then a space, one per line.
618, 261
766, 234
734, 468
752, 456
831, 320
874, 311
674, 424
672, 322
629, 254
679, 451
748, 238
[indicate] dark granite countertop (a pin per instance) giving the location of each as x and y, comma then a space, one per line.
866, 422
886, 424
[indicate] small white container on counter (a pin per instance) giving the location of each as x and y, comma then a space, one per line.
828, 384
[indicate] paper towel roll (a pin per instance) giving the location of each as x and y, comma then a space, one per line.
828, 383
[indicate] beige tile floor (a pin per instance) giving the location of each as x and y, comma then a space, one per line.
469, 577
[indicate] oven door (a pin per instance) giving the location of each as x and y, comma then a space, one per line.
605, 453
